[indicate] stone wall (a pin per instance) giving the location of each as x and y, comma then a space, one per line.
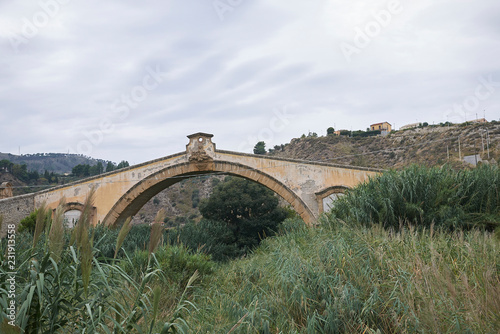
14, 209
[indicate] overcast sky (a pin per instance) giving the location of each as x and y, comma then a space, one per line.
128, 80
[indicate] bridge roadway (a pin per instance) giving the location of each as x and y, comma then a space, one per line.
307, 186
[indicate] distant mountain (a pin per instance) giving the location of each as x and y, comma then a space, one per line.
59, 163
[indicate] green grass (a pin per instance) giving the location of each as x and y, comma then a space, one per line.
354, 279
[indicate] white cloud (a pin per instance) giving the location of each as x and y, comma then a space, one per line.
227, 77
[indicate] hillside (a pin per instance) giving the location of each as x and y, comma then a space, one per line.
180, 201
58, 163
428, 146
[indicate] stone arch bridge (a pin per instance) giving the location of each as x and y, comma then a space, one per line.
307, 186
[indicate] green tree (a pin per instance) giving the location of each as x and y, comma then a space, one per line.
33, 175
78, 170
81, 170
100, 168
260, 148
248, 209
6, 165
93, 170
53, 178
21, 172
330, 131
122, 164
110, 167
28, 223
96, 169
312, 134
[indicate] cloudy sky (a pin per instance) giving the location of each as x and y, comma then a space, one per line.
123, 79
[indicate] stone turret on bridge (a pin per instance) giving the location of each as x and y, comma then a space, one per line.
307, 186
5, 190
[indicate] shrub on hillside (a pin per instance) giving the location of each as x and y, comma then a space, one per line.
28, 223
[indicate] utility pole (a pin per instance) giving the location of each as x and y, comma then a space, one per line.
475, 151
482, 141
488, 142
448, 151
459, 150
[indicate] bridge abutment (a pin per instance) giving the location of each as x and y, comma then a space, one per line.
14, 209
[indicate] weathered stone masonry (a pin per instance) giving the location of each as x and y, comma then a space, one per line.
14, 209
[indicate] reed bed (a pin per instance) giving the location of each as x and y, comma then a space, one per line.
426, 196
357, 279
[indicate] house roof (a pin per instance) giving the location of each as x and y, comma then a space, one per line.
381, 123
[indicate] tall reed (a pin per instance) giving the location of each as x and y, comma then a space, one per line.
340, 278
156, 231
41, 218
423, 196
56, 233
70, 289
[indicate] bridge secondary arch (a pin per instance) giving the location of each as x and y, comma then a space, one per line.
133, 200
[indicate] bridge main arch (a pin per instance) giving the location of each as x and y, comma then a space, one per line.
133, 200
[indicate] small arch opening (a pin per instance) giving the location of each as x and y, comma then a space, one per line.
71, 218
327, 197
329, 200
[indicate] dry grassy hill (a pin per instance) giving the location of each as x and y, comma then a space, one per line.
428, 146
